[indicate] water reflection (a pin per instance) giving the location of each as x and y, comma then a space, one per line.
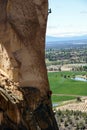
80, 79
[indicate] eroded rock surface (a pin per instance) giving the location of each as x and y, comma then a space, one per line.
24, 92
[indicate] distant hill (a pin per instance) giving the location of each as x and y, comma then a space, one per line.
55, 39
66, 42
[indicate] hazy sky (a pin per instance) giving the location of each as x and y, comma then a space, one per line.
68, 18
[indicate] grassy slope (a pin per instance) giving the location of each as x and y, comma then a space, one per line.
61, 98
61, 85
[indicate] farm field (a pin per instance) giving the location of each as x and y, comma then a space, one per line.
61, 83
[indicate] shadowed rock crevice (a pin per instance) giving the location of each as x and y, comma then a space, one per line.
27, 114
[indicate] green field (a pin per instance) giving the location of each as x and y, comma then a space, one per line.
61, 83
62, 98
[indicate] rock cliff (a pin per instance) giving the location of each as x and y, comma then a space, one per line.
24, 93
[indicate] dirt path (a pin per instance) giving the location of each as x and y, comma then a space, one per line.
73, 105
68, 95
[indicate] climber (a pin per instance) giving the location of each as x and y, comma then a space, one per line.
49, 11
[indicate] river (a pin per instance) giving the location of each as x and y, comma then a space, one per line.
79, 79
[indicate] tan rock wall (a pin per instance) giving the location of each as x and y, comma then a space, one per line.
25, 105
22, 37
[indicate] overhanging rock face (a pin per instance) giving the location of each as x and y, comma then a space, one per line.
22, 38
25, 102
